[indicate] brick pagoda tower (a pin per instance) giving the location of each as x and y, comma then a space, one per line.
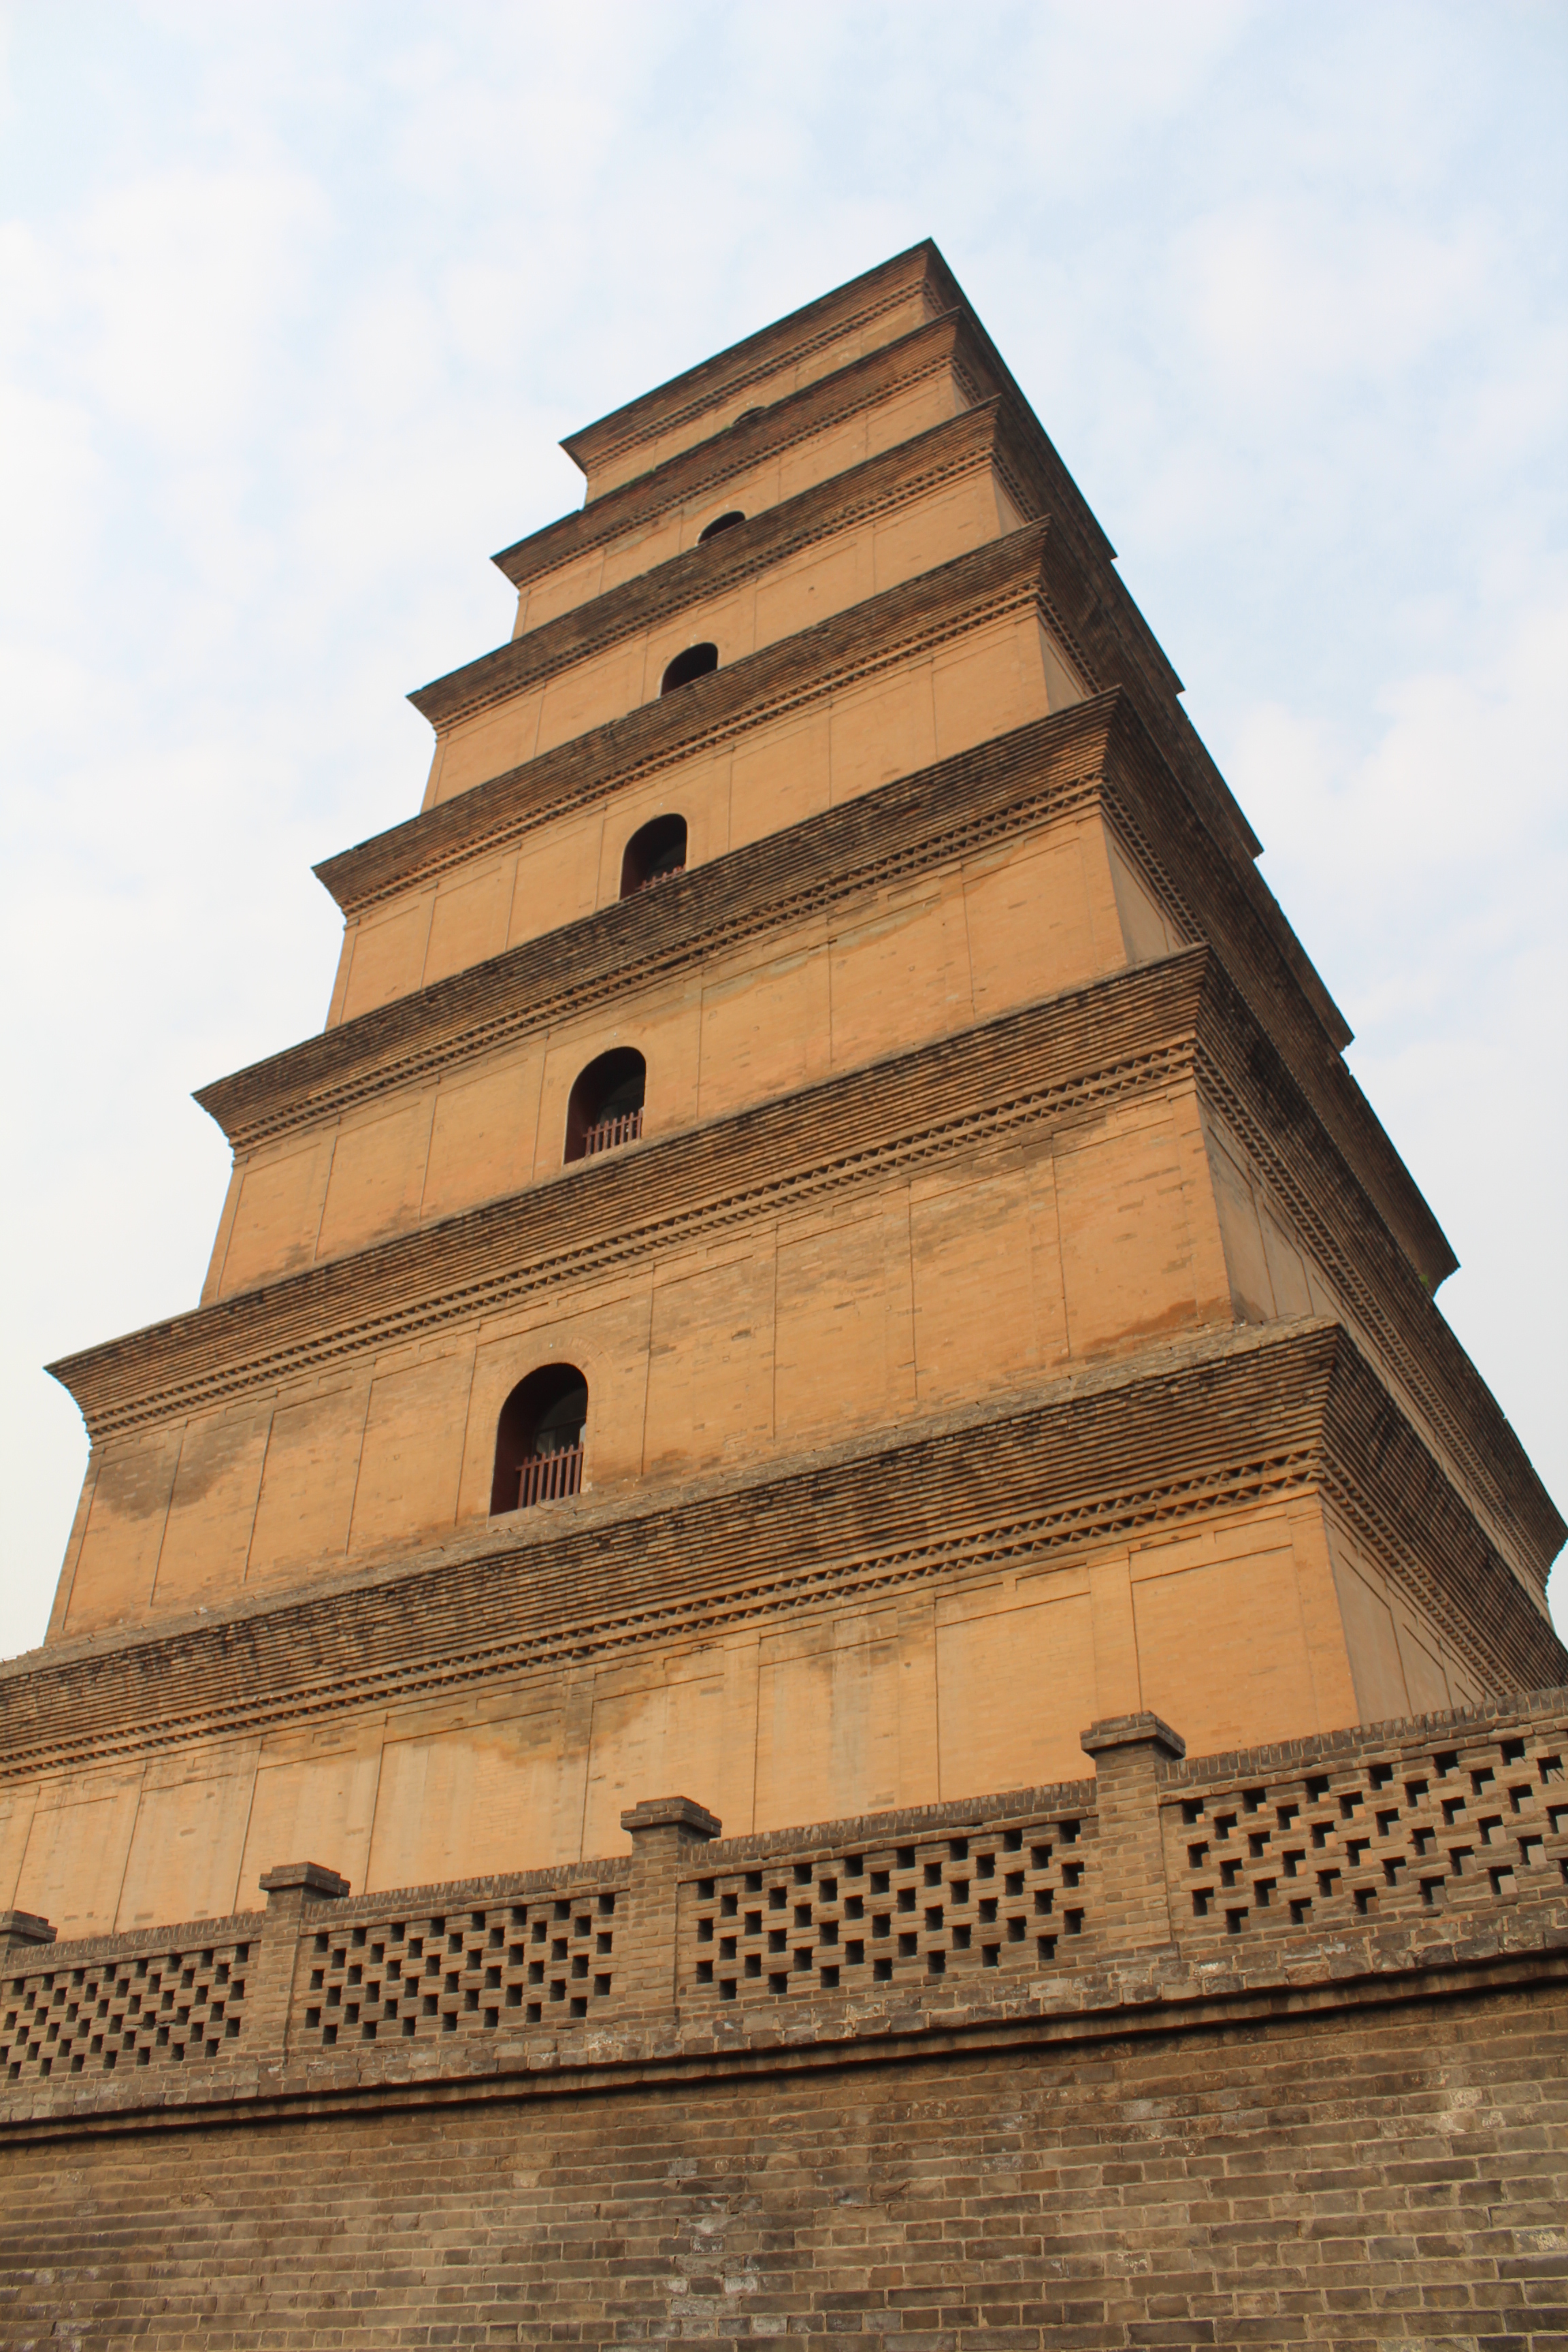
826, 1259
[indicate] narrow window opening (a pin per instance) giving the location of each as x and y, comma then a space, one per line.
605, 1106
653, 854
695, 662
720, 522
538, 1439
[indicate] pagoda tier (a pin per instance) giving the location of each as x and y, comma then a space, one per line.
1240, 1518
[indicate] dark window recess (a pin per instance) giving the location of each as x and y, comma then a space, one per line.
655, 852
606, 1104
695, 662
720, 522
538, 1439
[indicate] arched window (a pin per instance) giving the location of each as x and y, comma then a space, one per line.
654, 852
695, 662
745, 416
605, 1105
538, 1439
720, 522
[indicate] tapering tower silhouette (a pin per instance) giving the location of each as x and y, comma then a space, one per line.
827, 1243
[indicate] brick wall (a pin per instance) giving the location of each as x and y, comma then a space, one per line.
1056, 2101
1390, 2177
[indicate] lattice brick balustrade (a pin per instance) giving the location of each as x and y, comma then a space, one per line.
125, 2001
847, 1918
1440, 1823
1293, 1862
466, 1967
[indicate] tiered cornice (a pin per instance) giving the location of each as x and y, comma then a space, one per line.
948, 345
1174, 1023
939, 814
963, 444
1034, 564
1216, 1421
1008, 576
1135, 1030
815, 339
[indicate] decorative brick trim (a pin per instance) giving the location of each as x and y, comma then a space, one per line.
858, 303
1225, 1420
1098, 748
1204, 896
1326, 1204
1129, 1034
880, 486
1004, 576
700, 470
1042, 774
1178, 1022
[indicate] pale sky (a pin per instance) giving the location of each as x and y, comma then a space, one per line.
296, 302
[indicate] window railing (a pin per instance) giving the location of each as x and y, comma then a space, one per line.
546, 1477
606, 1133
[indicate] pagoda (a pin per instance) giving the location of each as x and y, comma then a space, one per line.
825, 1269
826, 1243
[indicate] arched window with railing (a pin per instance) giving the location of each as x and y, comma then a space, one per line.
694, 663
720, 522
538, 1439
605, 1106
655, 852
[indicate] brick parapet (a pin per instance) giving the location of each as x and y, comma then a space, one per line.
142, 1942
667, 1834
293, 1890
812, 1838
1462, 1814
1504, 1711
1041, 1914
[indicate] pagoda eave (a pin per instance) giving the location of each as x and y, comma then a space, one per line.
1208, 1424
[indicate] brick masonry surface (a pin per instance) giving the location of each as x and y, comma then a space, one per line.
1394, 2178
981, 2069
